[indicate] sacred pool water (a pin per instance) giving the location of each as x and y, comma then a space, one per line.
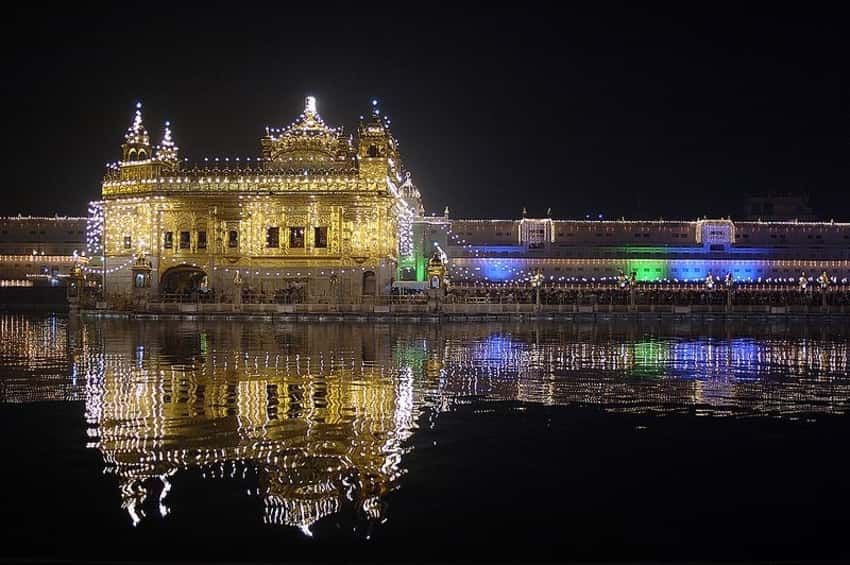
228, 440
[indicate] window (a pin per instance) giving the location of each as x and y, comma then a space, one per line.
184, 240
168, 242
320, 237
273, 237
233, 238
296, 237
202, 240
128, 242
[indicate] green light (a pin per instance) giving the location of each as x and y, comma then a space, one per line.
410, 354
648, 269
648, 358
420, 267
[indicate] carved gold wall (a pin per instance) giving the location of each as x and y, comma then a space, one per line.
218, 217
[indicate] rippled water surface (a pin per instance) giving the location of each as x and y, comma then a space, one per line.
162, 440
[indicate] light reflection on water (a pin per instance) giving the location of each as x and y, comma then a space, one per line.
320, 417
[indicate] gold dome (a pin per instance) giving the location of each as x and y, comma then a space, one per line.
308, 143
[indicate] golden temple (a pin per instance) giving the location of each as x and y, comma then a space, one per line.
317, 209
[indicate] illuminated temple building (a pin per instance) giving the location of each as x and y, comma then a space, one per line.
317, 208
340, 217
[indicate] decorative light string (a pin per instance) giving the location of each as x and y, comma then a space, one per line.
124, 265
94, 228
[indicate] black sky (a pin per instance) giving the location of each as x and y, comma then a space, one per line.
625, 110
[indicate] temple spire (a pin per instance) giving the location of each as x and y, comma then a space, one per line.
137, 132
137, 143
310, 105
166, 151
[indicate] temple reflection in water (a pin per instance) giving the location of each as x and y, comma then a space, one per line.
320, 416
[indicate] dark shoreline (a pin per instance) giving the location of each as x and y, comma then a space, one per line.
402, 317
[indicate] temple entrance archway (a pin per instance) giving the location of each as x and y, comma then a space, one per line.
182, 279
369, 283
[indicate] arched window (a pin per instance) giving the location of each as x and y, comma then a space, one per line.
373, 151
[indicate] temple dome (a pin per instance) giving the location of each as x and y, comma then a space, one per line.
411, 195
307, 142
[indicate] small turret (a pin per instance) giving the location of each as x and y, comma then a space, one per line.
166, 151
377, 150
137, 143
373, 135
410, 194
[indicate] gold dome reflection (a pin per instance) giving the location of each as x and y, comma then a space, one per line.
321, 428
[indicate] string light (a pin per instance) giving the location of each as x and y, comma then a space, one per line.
94, 228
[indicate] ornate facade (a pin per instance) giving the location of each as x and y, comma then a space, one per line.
317, 209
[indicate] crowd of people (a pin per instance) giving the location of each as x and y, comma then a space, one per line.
622, 290
289, 294
626, 289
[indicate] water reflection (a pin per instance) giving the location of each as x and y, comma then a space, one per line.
317, 418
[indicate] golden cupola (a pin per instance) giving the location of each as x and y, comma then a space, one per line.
411, 195
307, 144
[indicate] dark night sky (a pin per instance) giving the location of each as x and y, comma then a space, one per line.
637, 112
